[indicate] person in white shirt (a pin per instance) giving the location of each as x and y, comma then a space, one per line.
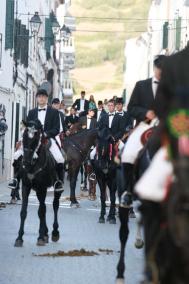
141, 107
100, 111
81, 105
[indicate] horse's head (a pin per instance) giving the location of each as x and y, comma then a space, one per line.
31, 142
104, 148
75, 128
178, 202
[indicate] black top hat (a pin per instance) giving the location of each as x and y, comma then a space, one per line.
42, 92
119, 101
55, 101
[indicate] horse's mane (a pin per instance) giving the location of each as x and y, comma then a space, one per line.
83, 132
173, 91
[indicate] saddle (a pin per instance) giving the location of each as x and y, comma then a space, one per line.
146, 135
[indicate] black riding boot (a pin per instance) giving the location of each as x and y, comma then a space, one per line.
58, 186
127, 185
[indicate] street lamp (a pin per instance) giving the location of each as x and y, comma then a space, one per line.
35, 24
65, 32
55, 24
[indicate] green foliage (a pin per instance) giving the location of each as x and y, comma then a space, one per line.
110, 46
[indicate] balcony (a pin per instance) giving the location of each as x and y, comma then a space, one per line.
68, 46
67, 87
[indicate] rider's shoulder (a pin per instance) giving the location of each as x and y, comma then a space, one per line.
144, 82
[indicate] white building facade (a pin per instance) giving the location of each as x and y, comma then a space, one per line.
66, 53
25, 63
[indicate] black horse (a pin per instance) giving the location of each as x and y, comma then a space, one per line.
77, 147
105, 170
37, 172
126, 179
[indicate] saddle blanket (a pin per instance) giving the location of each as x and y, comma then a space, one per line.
134, 143
153, 183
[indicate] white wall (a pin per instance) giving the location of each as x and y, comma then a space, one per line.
140, 54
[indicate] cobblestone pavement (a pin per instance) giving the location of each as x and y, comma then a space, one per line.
79, 229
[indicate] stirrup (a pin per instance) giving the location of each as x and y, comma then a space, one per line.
126, 200
60, 187
10, 185
92, 177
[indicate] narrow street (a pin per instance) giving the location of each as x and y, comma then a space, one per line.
78, 229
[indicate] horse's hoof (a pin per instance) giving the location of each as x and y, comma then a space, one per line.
40, 242
74, 204
18, 243
139, 243
55, 237
101, 220
13, 201
112, 220
46, 239
120, 281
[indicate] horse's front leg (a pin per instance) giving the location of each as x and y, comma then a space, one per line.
102, 186
23, 214
123, 236
74, 170
43, 231
112, 187
55, 232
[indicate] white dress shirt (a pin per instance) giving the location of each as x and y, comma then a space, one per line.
98, 114
42, 114
82, 104
111, 117
155, 83
121, 113
61, 126
88, 122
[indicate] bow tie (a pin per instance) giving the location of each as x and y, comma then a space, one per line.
156, 82
89, 118
111, 114
120, 113
40, 109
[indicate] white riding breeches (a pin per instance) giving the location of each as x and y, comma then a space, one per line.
54, 149
152, 185
18, 154
134, 144
93, 153
56, 152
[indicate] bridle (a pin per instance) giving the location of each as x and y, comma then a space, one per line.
31, 133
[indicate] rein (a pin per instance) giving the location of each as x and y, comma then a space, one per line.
76, 146
32, 176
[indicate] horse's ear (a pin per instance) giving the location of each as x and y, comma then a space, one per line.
24, 123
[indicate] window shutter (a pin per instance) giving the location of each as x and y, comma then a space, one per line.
17, 39
24, 45
178, 33
26, 50
49, 37
9, 27
165, 35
